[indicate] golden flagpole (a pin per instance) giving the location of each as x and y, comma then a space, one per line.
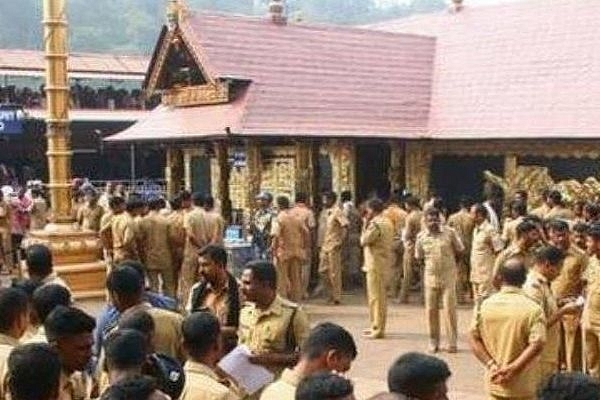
76, 253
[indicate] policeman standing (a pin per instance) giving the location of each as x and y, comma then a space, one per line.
528, 236
376, 239
486, 242
330, 263
412, 229
567, 287
439, 247
537, 286
507, 335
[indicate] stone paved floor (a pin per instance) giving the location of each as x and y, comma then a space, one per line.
406, 332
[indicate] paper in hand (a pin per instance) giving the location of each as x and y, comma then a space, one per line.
250, 377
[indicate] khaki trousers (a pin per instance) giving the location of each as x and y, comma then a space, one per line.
493, 397
6, 247
408, 264
306, 266
481, 290
592, 351
169, 281
571, 343
447, 296
330, 267
393, 274
547, 370
377, 300
289, 278
187, 277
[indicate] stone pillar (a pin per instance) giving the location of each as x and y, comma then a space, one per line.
304, 170
173, 171
222, 152
254, 166
510, 175
417, 160
396, 171
342, 155
187, 169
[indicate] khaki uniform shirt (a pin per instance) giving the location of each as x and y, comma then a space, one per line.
376, 239
284, 388
335, 229
177, 231
195, 224
168, 336
89, 217
514, 251
216, 227
305, 214
486, 242
7, 343
124, 237
439, 251
591, 311
106, 229
509, 233
292, 236
77, 386
570, 281
413, 226
322, 227
537, 288
397, 217
541, 211
154, 239
507, 322
281, 328
201, 383
463, 224
558, 212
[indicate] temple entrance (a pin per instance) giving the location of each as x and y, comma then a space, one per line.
372, 164
455, 176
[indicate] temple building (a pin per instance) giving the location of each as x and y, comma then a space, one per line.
428, 102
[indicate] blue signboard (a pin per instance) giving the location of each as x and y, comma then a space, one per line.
11, 120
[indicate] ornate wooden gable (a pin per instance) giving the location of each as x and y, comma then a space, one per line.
179, 74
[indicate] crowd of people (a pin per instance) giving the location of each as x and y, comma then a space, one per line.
82, 97
176, 309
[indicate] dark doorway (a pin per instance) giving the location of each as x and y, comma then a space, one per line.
455, 176
372, 165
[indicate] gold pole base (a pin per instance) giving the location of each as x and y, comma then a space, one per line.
76, 254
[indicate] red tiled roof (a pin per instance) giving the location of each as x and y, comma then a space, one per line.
310, 80
32, 61
518, 70
185, 123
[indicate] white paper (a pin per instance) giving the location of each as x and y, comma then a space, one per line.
250, 377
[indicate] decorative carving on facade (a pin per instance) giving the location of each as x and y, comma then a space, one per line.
396, 170
304, 170
253, 167
278, 176
197, 95
418, 168
342, 156
535, 179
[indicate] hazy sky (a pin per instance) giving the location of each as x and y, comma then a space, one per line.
466, 2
